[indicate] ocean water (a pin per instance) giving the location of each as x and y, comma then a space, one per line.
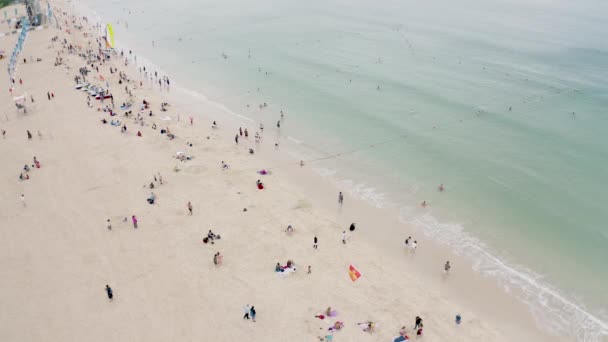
503, 102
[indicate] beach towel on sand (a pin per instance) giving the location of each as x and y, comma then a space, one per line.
286, 272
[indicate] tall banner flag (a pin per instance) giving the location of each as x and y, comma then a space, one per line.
109, 36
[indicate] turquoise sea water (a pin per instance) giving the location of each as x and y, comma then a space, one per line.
525, 187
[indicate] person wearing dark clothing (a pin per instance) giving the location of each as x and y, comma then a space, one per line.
109, 292
252, 313
418, 322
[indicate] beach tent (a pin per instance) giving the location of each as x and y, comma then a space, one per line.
20, 103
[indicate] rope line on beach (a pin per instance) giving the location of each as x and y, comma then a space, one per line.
369, 146
373, 145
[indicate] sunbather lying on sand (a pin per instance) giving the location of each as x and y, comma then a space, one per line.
337, 326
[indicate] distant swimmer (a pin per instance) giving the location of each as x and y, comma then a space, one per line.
441, 187
423, 204
378, 88
279, 124
510, 108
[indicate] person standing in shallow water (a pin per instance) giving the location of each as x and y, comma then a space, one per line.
315, 243
340, 198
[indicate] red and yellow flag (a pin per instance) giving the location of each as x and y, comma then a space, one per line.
353, 273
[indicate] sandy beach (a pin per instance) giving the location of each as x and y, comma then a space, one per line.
57, 253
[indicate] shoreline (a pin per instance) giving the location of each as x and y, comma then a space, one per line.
510, 286
334, 220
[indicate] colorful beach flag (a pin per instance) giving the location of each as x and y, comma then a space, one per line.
353, 273
109, 36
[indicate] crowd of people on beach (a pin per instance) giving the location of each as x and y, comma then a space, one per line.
94, 62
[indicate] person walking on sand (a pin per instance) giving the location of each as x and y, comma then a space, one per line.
23, 199
309, 270
215, 259
418, 322
29, 135
190, 208
252, 313
315, 243
109, 292
246, 309
407, 241
109, 225
134, 219
414, 245
340, 198
446, 267
344, 237
236, 139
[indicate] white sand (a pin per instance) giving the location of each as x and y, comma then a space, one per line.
56, 255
